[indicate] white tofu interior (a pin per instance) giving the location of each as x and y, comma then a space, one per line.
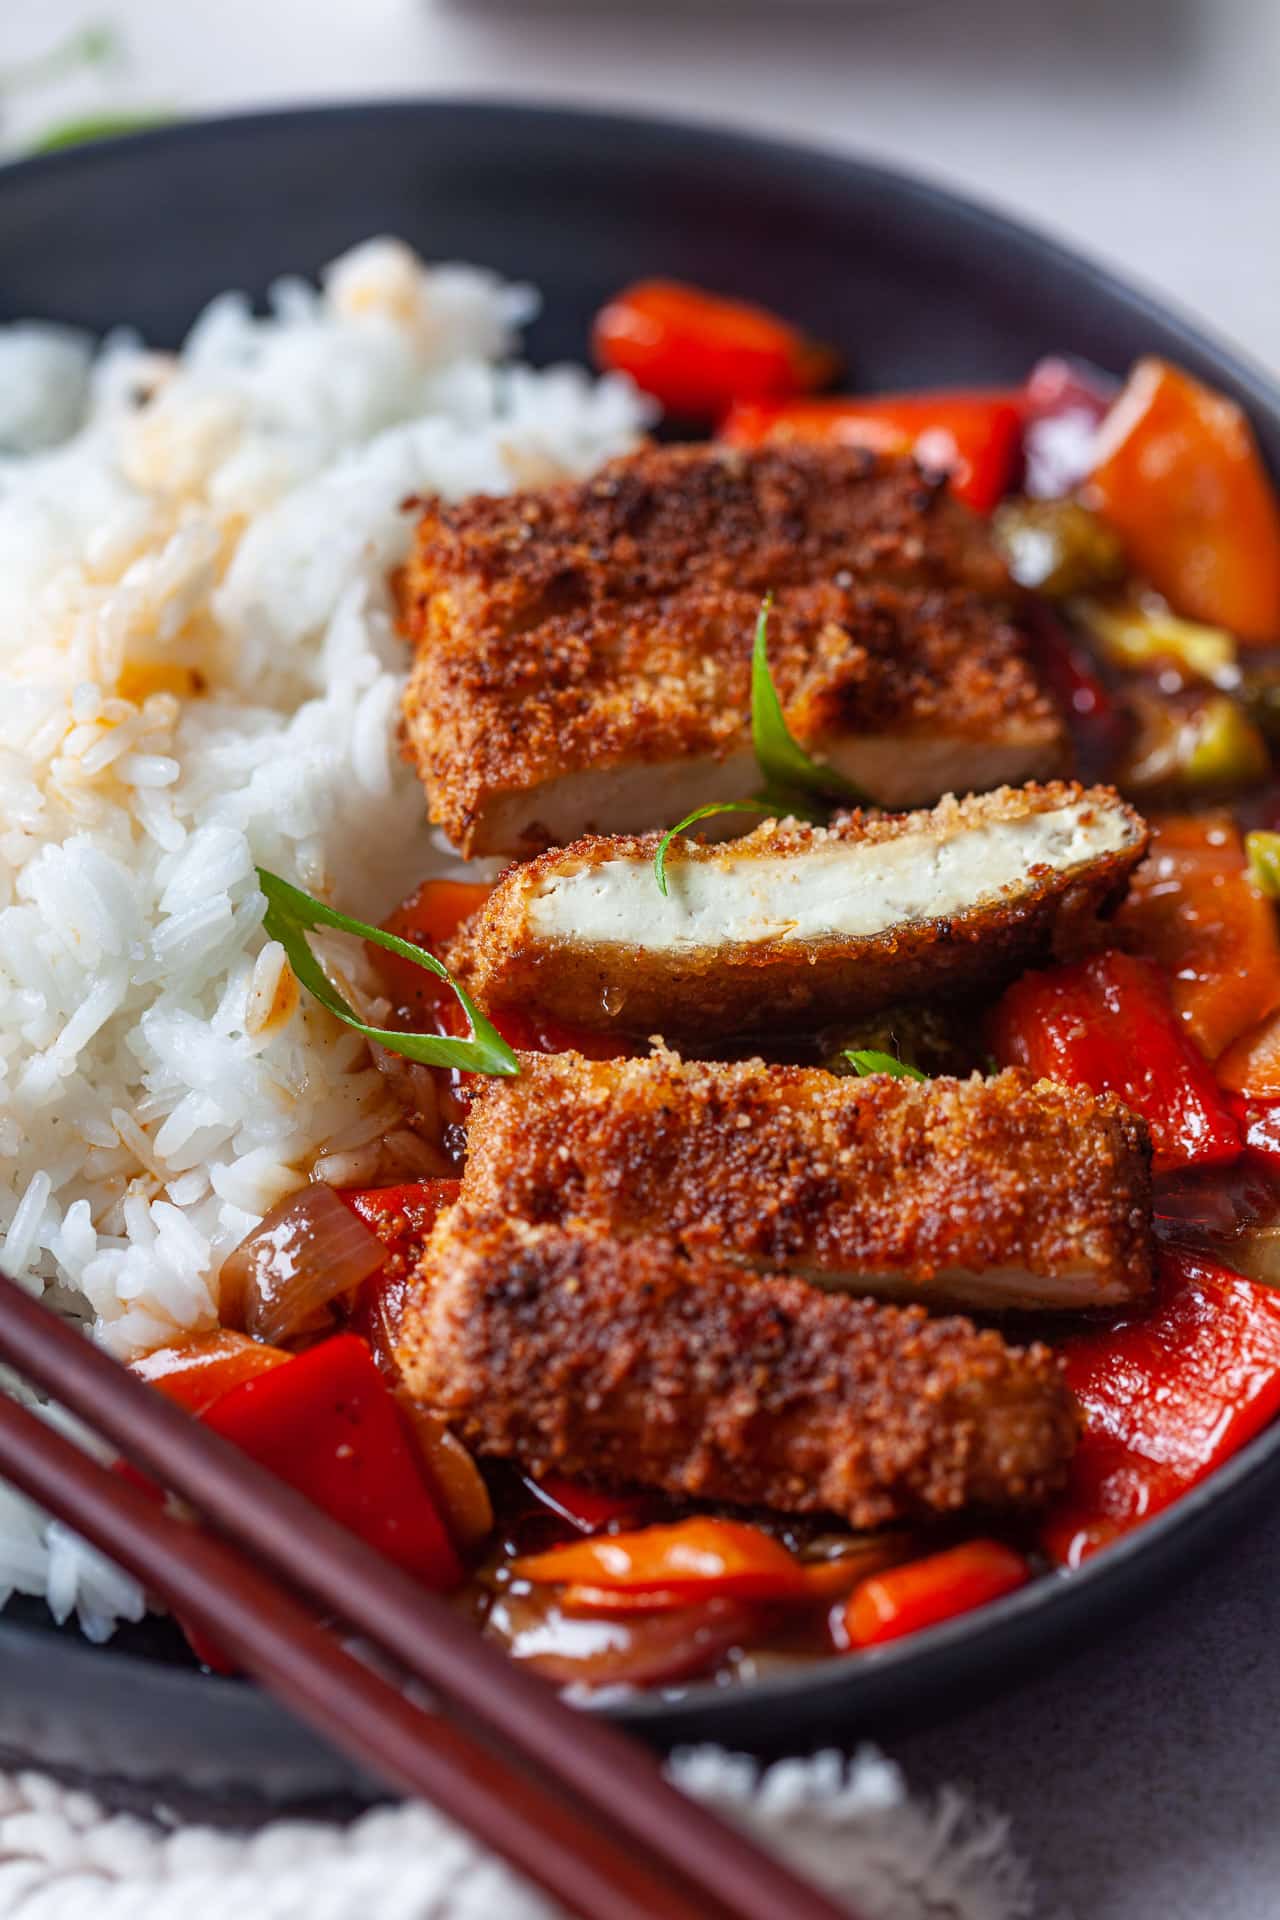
835, 890
991, 1290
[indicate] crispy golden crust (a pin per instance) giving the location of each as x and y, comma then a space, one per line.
588, 627
633, 1363
975, 1192
773, 983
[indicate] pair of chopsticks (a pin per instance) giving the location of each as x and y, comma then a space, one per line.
572, 1803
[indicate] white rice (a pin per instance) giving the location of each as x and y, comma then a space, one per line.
202, 676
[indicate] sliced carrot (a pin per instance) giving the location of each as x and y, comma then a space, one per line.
199, 1371
923, 1593
700, 1556
833, 1579
820, 1582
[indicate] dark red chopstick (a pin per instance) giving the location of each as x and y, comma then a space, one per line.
276, 1640
616, 1781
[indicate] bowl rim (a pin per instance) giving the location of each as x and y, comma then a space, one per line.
698, 131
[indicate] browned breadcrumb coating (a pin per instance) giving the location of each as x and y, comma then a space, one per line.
589, 628
695, 979
632, 1362
1002, 1192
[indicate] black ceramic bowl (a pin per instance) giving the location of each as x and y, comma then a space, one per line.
917, 288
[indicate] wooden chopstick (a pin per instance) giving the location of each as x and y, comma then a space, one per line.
273, 1637
616, 1781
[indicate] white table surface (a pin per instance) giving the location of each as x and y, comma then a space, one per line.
1144, 1778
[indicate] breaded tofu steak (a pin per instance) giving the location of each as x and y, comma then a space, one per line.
631, 1361
583, 653
796, 925
1006, 1192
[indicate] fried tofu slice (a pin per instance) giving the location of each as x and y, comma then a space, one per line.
583, 653
632, 1362
795, 925
1006, 1192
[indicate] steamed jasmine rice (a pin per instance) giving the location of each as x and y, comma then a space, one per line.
202, 676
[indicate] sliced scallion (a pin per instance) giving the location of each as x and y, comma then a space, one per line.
291, 915
865, 1060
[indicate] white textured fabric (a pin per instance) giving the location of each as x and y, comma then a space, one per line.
848, 1822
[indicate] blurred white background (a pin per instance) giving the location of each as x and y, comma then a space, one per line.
1147, 131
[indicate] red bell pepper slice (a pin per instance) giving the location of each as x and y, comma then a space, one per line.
1099, 727
697, 353
201, 1370
1180, 478
529, 1030
700, 1556
401, 1216
1193, 906
1167, 1396
1259, 1124
428, 918
974, 438
1108, 1023
327, 1423
923, 1593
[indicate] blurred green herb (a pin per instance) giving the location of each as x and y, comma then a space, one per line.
99, 126
1263, 850
792, 781
787, 768
867, 1060
91, 46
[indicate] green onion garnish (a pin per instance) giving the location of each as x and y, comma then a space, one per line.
791, 779
1263, 850
700, 813
867, 1060
786, 767
290, 916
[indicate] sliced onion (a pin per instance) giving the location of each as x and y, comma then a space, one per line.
280, 1280
414, 1087
1255, 1253
1066, 403
454, 1477
1231, 1218
659, 1649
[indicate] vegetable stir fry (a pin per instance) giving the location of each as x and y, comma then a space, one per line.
1017, 1054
